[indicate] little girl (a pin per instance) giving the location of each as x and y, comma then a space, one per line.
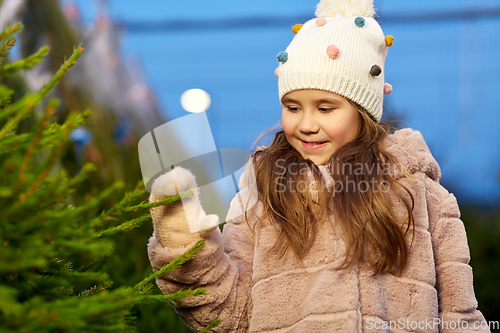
338, 226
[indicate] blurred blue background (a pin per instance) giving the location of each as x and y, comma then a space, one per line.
444, 67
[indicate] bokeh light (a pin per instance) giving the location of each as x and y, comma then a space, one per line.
195, 100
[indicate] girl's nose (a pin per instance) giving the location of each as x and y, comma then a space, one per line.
308, 123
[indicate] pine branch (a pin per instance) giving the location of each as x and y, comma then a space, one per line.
92, 263
12, 29
70, 213
78, 313
27, 103
165, 201
5, 95
71, 124
51, 283
137, 192
8, 301
188, 255
65, 188
173, 298
24, 64
69, 276
134, 223
60, 73
74, 120
95, 289
5, 192
15, 142
7, 46
94, 202
22, 107
121, 208
216, 322
49, 111
162, 202
14, 263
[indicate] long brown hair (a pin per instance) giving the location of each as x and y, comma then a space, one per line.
367, 224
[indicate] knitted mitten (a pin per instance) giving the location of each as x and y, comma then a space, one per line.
171, 226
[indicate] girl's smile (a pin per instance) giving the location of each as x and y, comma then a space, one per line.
317, 123
313, 145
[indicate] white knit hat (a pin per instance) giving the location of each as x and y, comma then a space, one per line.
342, 51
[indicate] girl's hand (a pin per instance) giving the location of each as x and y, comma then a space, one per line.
179, 223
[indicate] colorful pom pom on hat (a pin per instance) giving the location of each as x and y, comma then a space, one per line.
296, 28
343, 51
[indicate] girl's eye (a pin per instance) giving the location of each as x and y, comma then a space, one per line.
292, 109
326, 110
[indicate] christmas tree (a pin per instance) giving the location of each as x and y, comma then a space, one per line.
52, 246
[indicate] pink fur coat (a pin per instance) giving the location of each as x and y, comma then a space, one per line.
251, 290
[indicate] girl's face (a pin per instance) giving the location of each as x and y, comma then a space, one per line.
317, 123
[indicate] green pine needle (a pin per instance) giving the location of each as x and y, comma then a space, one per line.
216, 322
129, 225
11, 29
23, 64
188, 255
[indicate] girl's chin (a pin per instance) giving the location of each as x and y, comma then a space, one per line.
320, 161
317, 159
318, 153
